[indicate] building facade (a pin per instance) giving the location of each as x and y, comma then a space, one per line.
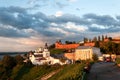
83, 53
42, 56
59, 45
86, 52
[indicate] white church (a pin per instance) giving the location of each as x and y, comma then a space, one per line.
42, 56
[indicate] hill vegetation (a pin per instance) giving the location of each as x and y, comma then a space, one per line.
70, 72
13, 68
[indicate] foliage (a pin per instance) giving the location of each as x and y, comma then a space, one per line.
111, 48
99, 38
118, 60
70, 42
95, 57
97, 44
85, 39
15, 71
102, 37
94, 39
19, 59
69, 72
52, 46
57, 51
29, 73
12, 68
8, 62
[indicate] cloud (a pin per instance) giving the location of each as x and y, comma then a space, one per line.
21, 28
18, 22
58, 13
72, 0
20, 45
61, 5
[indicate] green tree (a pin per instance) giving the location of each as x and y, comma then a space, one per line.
52, 46
19, 59
85, 39
94, 39
99, 38
95, 57
68, 42
97, 44
102, 37
8, 62
118, 49
110, 38
106, 37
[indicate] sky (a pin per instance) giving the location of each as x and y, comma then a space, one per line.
28, 24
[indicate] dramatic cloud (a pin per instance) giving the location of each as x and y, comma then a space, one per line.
26, 30
18, 23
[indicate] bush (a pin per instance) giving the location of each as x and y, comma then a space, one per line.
95, 57
118, 60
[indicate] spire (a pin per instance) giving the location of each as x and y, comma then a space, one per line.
46, 46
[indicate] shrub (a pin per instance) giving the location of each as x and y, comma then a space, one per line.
118, 60
95, 57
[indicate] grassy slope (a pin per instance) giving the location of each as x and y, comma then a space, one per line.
57, 51
21, 72
69, 72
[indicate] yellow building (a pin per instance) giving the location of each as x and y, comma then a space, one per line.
83, 53
86, 52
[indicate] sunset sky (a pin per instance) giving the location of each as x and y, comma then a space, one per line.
28, 24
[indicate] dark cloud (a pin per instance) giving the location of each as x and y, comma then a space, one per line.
20, 19
104, 20
10, 32
68, 18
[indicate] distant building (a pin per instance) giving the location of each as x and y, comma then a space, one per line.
89, 44
42, 56
86, 52
83, 53
59, 45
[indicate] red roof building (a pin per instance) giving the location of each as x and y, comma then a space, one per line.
59, 45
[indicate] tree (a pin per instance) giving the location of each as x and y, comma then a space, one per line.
97, 44
68, 42
90, 40
52, 46
85, 40
110, 38
118, 49
99, 38
95, 57
8, 62
19, 59
102, 37
106, 37
94, 39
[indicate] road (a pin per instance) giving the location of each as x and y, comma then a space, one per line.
104, 71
